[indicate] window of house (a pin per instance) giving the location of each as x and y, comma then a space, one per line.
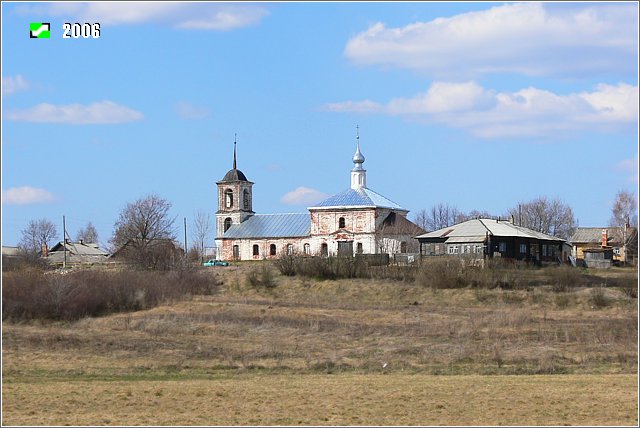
544, 250
236, 252
341, 223
307, 249
436, 249
523, 249
228, 197
403, 247
359, 248
479, 248
453, 249
256, 250
272, 249
227, 223
289, 249
502, 247
324, 250
245, 199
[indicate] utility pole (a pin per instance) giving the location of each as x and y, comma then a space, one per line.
185, 237
64, 242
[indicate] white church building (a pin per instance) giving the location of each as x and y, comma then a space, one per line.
357, 220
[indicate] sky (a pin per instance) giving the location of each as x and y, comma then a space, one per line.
477, 105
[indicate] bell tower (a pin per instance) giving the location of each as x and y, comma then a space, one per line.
235, 198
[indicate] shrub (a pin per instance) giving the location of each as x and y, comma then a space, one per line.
261, 278
598, 299
564, 278
68, 295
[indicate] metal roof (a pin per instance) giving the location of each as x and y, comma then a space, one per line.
594, 234
472, 229
271, 226
81, 249
363, 197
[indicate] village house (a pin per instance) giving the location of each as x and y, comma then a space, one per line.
481, 238
606, 243
355, 221
74, 253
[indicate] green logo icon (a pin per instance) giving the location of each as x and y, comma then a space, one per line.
40, 30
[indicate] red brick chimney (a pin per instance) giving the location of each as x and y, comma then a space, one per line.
45, 250
604, 237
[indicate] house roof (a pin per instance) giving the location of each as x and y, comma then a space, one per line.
80, 249
589, 235
271, 226
354, 198
475, 229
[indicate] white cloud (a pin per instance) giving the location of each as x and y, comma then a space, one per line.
303, 196
11, 84
530, 112
529, 38
187, 15
26, 195
630, 167
103, 112
190, 111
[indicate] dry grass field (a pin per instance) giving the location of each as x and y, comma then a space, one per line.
312, 352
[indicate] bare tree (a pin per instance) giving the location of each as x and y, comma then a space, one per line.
36, 234
440, 216
201, 230
542, 215
421, 218
89, 234
473, 214
144, 232
625, 210
624, 214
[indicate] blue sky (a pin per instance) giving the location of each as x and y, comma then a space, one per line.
479, 105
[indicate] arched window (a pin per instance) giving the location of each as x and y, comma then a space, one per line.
228, 198
256, 250
403, 247
227, 223
307, 248
341, 223
236, 252
289, 249
324, 250
245, 199
272, 249
359, 248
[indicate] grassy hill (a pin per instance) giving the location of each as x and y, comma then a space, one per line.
348, 351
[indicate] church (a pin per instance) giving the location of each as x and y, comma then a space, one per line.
355, 221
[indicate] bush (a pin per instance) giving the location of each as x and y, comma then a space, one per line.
323, 267
69, 295
598, 299
564, 278
261, 278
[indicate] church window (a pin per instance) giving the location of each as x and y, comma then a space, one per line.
403, 247
227, 223
245, 197
307, 248
228, 198
272, 249
236, 252
325, 250
341, 223
256, 250
359, 248
290, 249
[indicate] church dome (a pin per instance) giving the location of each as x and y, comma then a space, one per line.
235, 175
358, 157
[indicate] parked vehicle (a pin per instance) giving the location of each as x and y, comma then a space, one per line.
212, 262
